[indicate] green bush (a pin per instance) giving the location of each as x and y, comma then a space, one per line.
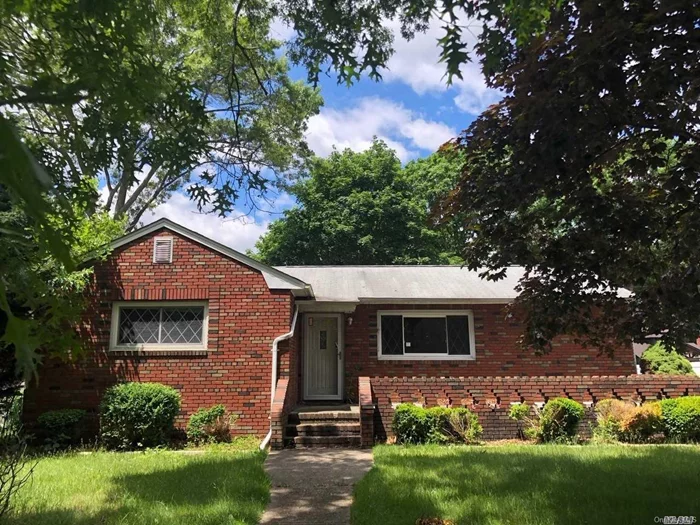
410, 424
658, 360
61, 428
681, 418
417, 425
464, 425
210, 425
559, 419
137, 415
519, 412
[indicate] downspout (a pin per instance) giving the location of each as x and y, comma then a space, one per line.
275, 359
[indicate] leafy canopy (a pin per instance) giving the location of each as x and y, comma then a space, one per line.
195, 97
586, 173
364, 208
42, 297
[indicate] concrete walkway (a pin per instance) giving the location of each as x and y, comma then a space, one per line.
313, 486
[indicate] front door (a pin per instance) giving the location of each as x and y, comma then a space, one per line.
323, 357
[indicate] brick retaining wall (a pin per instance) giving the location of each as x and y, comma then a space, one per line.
491, 397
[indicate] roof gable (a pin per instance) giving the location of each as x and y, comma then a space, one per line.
275, 279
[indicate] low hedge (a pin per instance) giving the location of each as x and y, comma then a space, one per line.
61, 428
560, 419
138, 415
417, 425
681, 418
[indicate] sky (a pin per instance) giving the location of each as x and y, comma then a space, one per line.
412, 109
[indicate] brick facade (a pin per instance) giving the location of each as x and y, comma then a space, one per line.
244, 318
497, 351
491, 397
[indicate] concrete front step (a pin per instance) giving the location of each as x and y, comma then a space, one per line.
326, 441
323, 429
326, 415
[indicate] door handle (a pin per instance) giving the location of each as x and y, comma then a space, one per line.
337, 347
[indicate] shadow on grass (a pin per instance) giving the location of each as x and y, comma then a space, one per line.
529, 485
205, 490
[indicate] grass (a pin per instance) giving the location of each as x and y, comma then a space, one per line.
221, 485
528, 485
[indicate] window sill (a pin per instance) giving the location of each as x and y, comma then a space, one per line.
426, 358
122, 352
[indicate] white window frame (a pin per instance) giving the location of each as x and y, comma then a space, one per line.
426, 357
114, 330
155, 244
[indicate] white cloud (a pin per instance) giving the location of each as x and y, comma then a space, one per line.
415, 63
239, 234
280, 30
395, 124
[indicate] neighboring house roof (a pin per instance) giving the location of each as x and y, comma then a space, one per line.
404, 283
274, 278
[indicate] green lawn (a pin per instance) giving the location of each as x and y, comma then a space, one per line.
220, 486
529, 485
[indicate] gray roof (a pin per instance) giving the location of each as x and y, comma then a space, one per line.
411, 283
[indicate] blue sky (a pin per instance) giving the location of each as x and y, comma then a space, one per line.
412, 109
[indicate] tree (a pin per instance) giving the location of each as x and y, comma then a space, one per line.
363, 208
41, 296
585, 173
657, 359
196, 97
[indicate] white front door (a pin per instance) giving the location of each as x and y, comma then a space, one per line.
323, 357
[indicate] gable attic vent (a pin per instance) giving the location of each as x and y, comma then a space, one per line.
163, 250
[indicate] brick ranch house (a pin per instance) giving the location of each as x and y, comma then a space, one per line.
273, 344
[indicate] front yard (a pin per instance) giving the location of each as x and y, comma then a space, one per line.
519, 484
219, 486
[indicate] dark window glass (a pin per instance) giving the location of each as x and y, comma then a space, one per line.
458, 335
425, 335
392, 335
323, 339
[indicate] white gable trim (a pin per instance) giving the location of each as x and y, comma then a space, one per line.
274, 278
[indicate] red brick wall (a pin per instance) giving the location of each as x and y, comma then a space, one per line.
244, 318
491, 397
497, 351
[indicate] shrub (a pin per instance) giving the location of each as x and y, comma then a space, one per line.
657, 359
641, 423
16, 466
609, 416
681, 418
61, 428
210, 425
519, 412
624, 421
417, 425
464, 425
136, 415
410, 424
559, 419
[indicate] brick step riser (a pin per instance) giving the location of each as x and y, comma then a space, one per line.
296, 419
325, 430
325, 441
